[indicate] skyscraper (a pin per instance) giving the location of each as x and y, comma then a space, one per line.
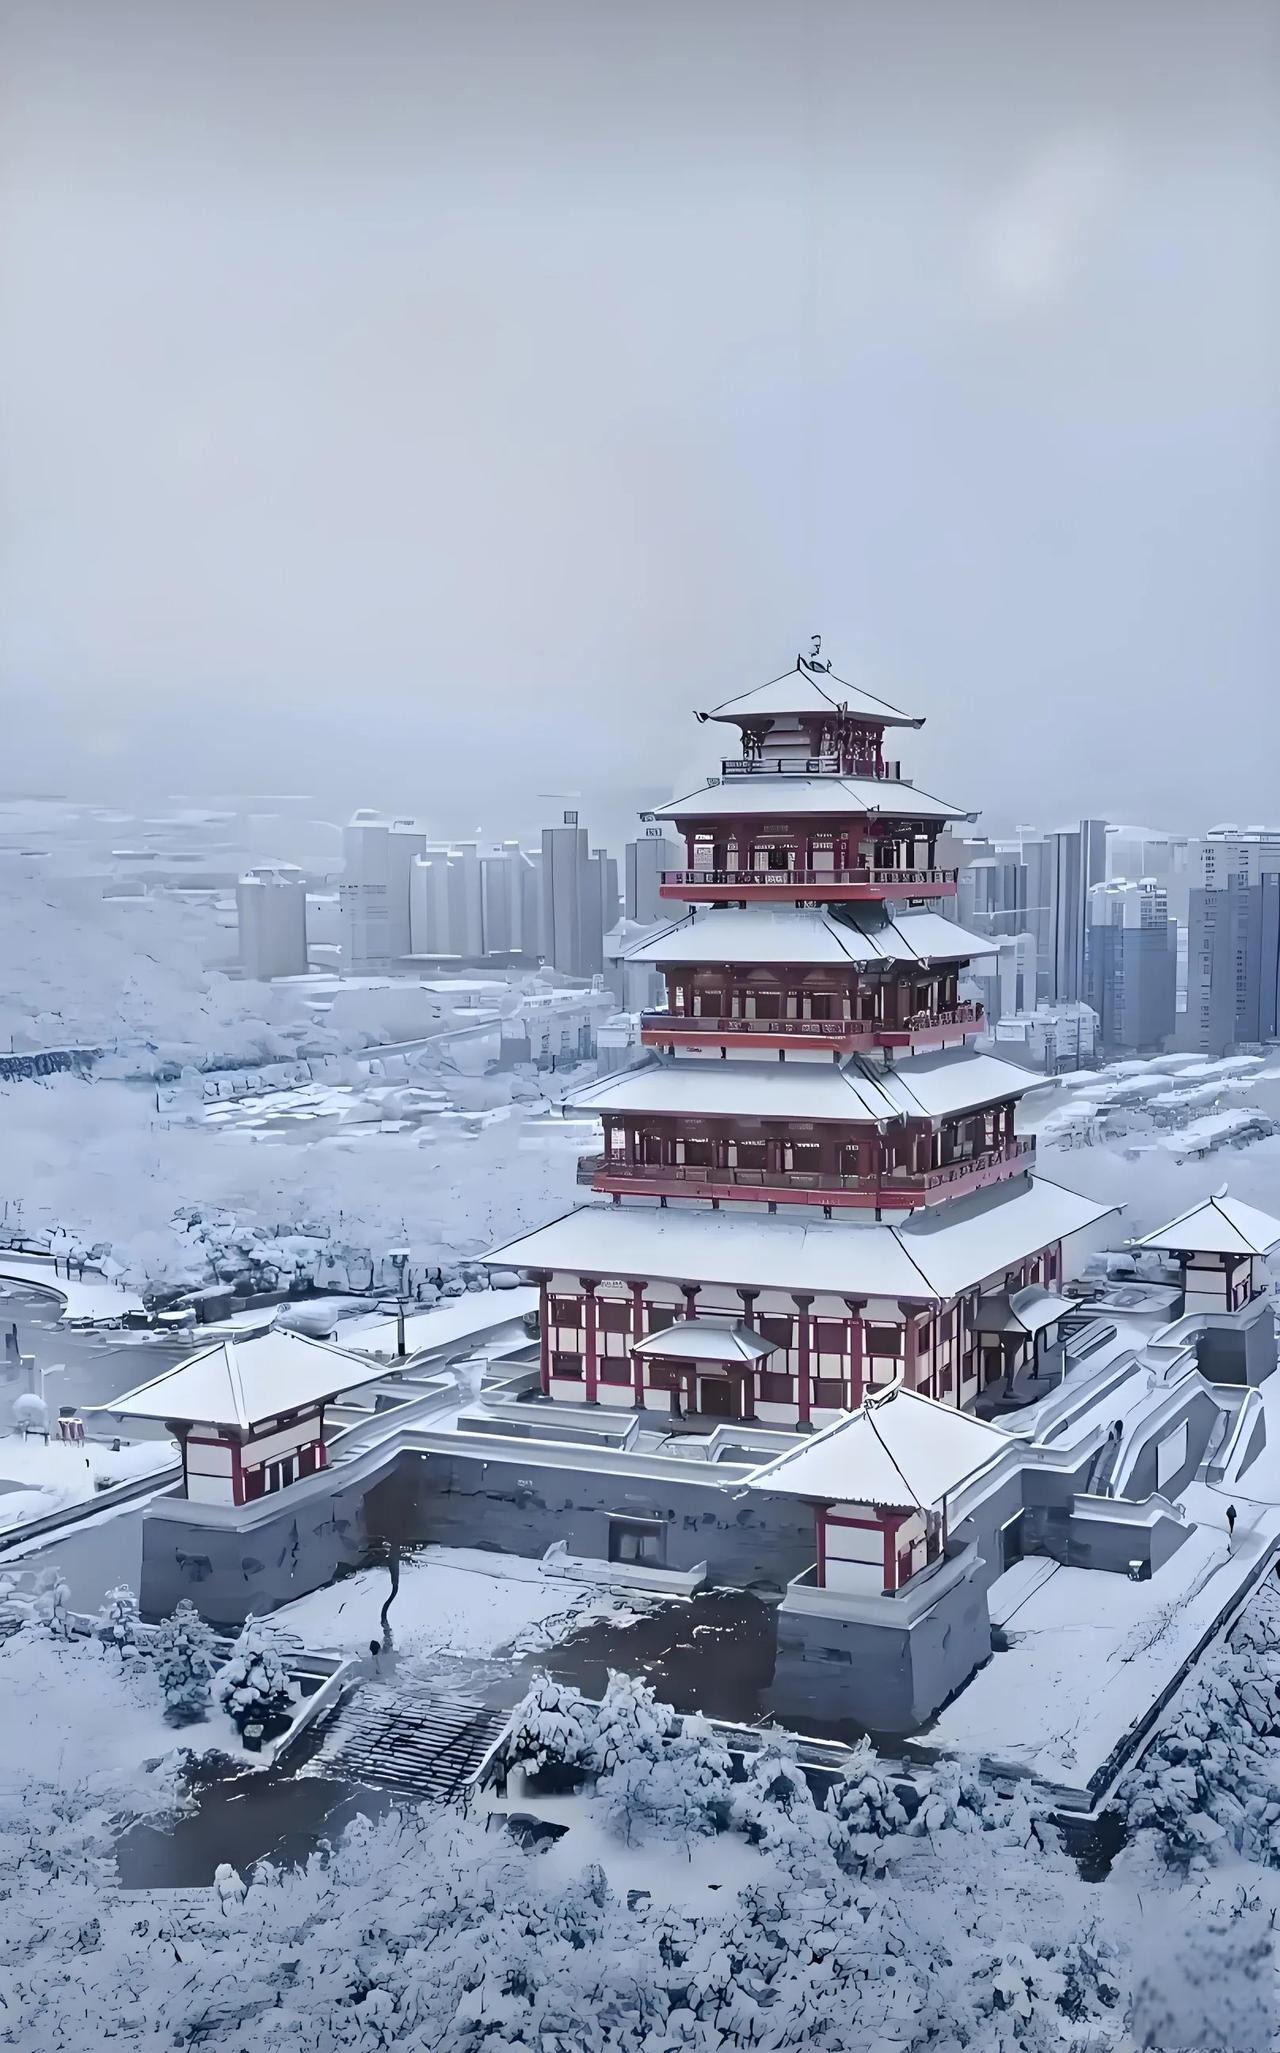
1131, 961
271, 915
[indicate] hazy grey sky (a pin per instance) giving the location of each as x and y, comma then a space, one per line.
428, 404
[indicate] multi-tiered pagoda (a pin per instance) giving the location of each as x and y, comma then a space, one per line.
815, 1186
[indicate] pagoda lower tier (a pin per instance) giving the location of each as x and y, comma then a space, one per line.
790, 1319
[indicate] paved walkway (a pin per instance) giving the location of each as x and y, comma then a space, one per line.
84, 1297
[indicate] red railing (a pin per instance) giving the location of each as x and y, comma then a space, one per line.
847, 1031
604, 1172
811, 766
735, 879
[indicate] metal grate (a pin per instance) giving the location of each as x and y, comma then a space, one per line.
415, 1741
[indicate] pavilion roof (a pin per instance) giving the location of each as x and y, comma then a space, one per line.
241, 1382
780, 797
899, 1450
804, 690
1222, 1225
929, 1258
706, 1340
757, 934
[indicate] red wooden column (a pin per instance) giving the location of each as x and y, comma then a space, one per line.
857, 1350
804, 1383
544, 1336
637, 1333
591, 1361
690, 1378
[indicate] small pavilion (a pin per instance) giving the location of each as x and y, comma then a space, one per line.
1221, 1247
879, 1483
248, 1415
708, 1367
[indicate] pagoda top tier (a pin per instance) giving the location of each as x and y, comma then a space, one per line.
810, 691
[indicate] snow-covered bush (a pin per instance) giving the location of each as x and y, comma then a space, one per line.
553, 1726
679, 1788
956, 1800
864, 1811
118, 1621
629, 1724
184, 1653
1209, 1782
254, 1686
775, 1810
51, 1603
31, 1413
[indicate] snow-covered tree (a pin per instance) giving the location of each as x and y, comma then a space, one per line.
629, 1724
118, 1621
1208, 1782
254, 1685
31, 1414
183, 1649
774, 1807
956, 1800
52, 1602
553, 1726
678, 1786
864, 1810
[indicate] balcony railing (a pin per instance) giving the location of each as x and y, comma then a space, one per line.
893, 1188
850, 1033
871, 877
812, 766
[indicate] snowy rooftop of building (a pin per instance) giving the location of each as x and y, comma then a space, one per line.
805, 690
781, 797
928, 1258
787, 934
745, 1089
704, 1340
950, 1080
240, 1383
1021, 1311
1221, 1225
933, 1086
899, 1450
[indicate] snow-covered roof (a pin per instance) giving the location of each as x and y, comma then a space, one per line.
807, 691
242, 1382
833, 797
898, 1450
1222, 1225
702, 1340
1021, 1311
968, 1242
950, 1080
743, 1090
791, 934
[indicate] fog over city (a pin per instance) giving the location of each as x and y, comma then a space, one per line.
423, 407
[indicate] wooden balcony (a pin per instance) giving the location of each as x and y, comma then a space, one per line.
765, 886
812, 766
894, 1190
841, 1036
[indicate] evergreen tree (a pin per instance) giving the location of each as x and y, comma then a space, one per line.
118, 1621
185, 1660
254, 1685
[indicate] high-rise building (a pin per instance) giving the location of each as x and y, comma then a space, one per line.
1131, 965
363, 894
478, 904
646, 859
992, 893
1077, 861
271, 916
1233, 959
577, 886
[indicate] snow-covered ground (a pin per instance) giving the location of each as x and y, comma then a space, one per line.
453, 1601
457, 1319
1089, 1653
84, 1297
89, 1722
37, 1478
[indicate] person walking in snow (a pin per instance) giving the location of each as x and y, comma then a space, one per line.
1231, 1523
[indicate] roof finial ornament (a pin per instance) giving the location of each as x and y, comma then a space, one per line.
813, 661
